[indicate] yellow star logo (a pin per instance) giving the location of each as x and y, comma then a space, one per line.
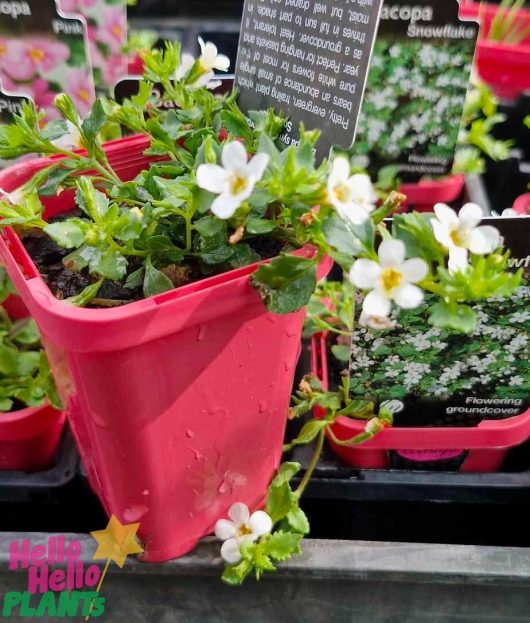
117, 541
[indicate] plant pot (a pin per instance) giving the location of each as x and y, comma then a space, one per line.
178, 402
522, 204
15, 307
425, 194
475, 449
29, 438
506, 68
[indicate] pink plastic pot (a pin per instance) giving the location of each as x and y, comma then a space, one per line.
29, 437
487, 443
522, 204
15, 307
506, 68
424, 195
178, 402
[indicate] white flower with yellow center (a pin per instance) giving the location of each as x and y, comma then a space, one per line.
460, 234
241, 527
390, 279
234, 181
353, 196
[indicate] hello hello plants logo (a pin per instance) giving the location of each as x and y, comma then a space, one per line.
59, 584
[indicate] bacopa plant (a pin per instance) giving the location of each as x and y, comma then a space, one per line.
25, 377
221, 193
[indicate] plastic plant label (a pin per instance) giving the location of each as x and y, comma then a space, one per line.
107, 36
10, 104
416, 88
308, 60
42, 53
432, 377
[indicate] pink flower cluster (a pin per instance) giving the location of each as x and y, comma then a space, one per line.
70, 6
111, 31
24, 64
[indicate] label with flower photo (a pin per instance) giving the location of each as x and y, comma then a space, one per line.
433, 377
43, 53
416, 88
107, 36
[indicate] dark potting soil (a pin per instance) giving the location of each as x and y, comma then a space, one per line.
65, 283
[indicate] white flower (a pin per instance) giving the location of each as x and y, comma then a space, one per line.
71, 140
353, 196
16, 197
234, 181
186, 63
460, 234
241, 527
391, 279
376, 322
209, 60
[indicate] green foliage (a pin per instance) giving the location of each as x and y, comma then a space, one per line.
25, 378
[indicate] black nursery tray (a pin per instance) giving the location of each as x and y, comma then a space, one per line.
54, 500
414, 506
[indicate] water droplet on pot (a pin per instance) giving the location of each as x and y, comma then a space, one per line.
262, 407
145, 492
291, 333
203, 330
286, 366
190, 433
135, 512
224, 487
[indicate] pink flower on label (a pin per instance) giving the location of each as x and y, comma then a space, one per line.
23, 58
43, 97
113, 29
81, 90
115, 69
8, 86
76, 5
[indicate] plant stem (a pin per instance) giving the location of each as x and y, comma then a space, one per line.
312, 464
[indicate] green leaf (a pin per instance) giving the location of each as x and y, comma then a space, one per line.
286, 283
235, 575
286, 472
451, 316
54, 181
283, 545
86, 296
129, 226
338, 236
280, 500
155, 282
298, 521
93, 202
259, 226
162, 247
67, 234
8, 360
92, 125
243, 255
210, 226
109, 264
25, 332
135, 279
310, 431
54, 130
